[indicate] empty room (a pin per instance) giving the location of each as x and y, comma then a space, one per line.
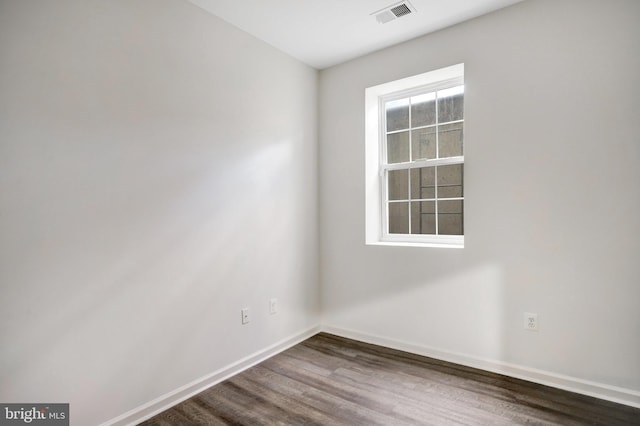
356, 212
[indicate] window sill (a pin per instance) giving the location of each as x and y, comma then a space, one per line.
416, 244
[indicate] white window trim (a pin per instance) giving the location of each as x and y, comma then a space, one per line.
374, 129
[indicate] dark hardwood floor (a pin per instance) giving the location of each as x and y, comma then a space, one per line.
329, 380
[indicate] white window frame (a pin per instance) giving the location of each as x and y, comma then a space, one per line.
375, 156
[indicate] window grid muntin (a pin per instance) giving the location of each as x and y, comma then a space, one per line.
435, 199
419, 163
426, 127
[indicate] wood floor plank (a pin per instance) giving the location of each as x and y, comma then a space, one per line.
330, 380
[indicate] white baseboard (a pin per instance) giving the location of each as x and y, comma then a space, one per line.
572, 384
610, 393
168, 400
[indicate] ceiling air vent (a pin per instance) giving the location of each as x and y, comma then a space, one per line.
394, 11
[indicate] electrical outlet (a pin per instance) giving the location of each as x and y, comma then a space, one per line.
245, 315
273, 306
530, 321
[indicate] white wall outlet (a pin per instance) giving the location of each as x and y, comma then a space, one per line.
245, 315
273, 306
530, 321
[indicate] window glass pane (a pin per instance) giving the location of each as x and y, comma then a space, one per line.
450, 140
450, 216
398, 184
423, 183
398, 147
423, 110
423, 217
450, 181
399, 218
450, 104
423, 143
397, 114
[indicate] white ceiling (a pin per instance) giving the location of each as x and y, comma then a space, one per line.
322, 33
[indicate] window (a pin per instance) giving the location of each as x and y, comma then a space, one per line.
415, 160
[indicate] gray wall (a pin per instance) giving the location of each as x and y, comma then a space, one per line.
552, 100
157, 174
